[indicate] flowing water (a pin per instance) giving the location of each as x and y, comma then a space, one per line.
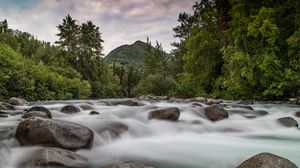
192, 142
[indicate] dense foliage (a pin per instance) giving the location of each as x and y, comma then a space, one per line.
237, 49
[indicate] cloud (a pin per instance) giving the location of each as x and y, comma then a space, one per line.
120, 21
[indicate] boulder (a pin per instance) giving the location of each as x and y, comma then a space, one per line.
153, 97
35, 114
171, 114
196, 104
246, 102
6, 106
297, 114
86, 107
55, 157
215, 112
114, 128
239, 106
54, 133
17, 101
41, 109
199, 99
94, 113
70, 109
128, 102
261, 113
288, 122
128, 165
213, 101
267, 160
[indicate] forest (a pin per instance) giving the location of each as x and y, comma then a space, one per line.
230, 49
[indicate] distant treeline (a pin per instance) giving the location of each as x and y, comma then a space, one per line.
236, 49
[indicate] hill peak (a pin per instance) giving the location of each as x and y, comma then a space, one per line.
133, 54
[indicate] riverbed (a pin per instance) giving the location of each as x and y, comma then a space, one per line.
191, 142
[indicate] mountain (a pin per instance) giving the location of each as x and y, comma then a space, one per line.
133, 54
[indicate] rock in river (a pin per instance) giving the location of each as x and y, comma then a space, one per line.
128, 102
86, 106
17, 101
41, 109
55, 157
114, 128
171, 114
127, 165
70, 109
215, 112
267, 160
54, 133
35, 114
288, 122
246, 102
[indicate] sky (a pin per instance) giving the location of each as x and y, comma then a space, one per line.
120, 21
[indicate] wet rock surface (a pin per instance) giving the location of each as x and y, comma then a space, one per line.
54, 133
288, 122
128, 102
94, 113
127, 165
35, 114
267, 160
70, 109
246, 102
54, 158
114, 128
86, 106
41, 109
171, 114
215, 112
17, 101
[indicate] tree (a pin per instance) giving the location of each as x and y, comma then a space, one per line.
69, 32
3, 26
203, 59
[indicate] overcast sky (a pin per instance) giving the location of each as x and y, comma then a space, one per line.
120, 21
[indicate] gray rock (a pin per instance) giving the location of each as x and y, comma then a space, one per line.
41, 109
239, 106
196, 104
17, 101
86, 107
267, 160
199, 99
297, 114
6, 106
128, 165
246, 102
261, 113
54, 133
35, 114
171, 114
114, 128
70, 109
128, 102
288, 122
215, 112
94, 113
55, 157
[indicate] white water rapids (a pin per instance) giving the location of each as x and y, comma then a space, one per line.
162, 144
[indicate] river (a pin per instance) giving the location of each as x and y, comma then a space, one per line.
191, 142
